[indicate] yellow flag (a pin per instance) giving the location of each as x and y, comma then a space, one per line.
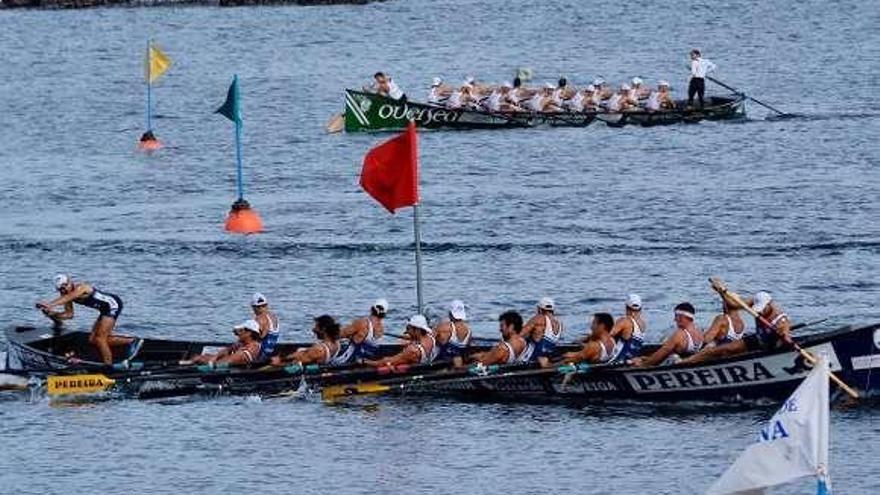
157, 63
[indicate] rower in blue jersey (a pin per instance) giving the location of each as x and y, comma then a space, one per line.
325, 351
772, 331
108, 306
726, 327
544, 330
453, 334
629, 330
365, 334
270, 330
421, 349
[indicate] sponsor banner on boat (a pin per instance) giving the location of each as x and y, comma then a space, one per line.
866, 362
760, 370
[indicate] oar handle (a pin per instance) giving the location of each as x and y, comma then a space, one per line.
725, 292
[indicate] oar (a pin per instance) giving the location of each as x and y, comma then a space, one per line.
759, 102
335, 124
733, 296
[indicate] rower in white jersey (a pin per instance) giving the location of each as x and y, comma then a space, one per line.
603, 91
513, 348
544, 330
495, 101
562, 93
421, 349
453, 334
270, 330
584, 100
639, 90
621, 101
542, 101
325, 351
438, 92
629, 330
365, 334
661, 99
599, 346
726, 327
686, 340
385, 86
461, 98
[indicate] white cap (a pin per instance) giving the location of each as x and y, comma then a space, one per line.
549, 86
634, 301
251, 325
381, 304
625, 87
762, 300
436, 82
469, 81
418, 321
259, 299
663, 82
456, 309
598, 81
637, 80
546, 303
61, 280
507, 85
590, 88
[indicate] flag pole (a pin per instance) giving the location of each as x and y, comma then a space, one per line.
238, 140
149, 91
418, 238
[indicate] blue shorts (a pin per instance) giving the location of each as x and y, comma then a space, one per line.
544, 348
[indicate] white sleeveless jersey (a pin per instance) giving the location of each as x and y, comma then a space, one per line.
494, 101
454, 100
536, 103
394, 90
653, 102
551, 333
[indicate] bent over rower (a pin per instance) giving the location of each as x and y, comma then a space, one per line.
364, 334
544, 330
108, 305
453, 334
270, 330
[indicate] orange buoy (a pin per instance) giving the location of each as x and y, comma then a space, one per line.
243, 219
148, 142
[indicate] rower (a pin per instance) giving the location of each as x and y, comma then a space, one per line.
544, 330
495, 102
513, 348
700, 67
453, 334
685, 341
599, 348
438, 93
603, 92
726, 327
364, 334
385, 86
661, 99
422, 347
765, 338
639, 90
270, 330
628, 330
542, 101
461, 98
326, 351
620, 101
108, 305
242, 353
562, 92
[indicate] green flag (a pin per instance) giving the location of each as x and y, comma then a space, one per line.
231, 108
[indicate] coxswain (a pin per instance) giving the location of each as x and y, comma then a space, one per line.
385, 86
438, 92
108, 305
700, 67
686, 340
270, 330
639, 90
513, 348
242, 353
544, 330
770, 337
326, 351
661, 99
599, 347
629, 330
453, 334
421, 349
726, 327
364, 334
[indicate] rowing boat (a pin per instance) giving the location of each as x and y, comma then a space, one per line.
716, 108
372, 112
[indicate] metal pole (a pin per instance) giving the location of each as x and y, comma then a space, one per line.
237, 112
418, 236
149, 90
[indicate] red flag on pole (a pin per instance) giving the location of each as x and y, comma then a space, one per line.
391, 171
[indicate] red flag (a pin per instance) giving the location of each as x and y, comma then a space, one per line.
391, 171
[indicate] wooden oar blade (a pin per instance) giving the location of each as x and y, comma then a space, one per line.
78, 384
336, 124
336, 391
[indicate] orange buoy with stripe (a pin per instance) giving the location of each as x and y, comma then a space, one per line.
148, 142
243, 219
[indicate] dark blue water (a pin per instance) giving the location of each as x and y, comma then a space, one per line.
583, 215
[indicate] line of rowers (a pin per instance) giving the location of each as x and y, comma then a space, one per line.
535, 340
608, 341
562, 97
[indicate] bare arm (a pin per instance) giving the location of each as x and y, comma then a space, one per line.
715, 329
408, 355
81, 290
495, 355
620, 326
660, 354
587, 353
352, 330
528, 328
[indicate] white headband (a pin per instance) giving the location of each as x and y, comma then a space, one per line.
679, 312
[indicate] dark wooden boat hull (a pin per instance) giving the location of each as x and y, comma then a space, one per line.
716, 108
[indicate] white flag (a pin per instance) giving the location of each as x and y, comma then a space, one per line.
794, 444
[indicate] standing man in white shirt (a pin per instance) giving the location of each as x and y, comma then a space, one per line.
699, 68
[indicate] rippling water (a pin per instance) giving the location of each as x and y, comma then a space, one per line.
584, 215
